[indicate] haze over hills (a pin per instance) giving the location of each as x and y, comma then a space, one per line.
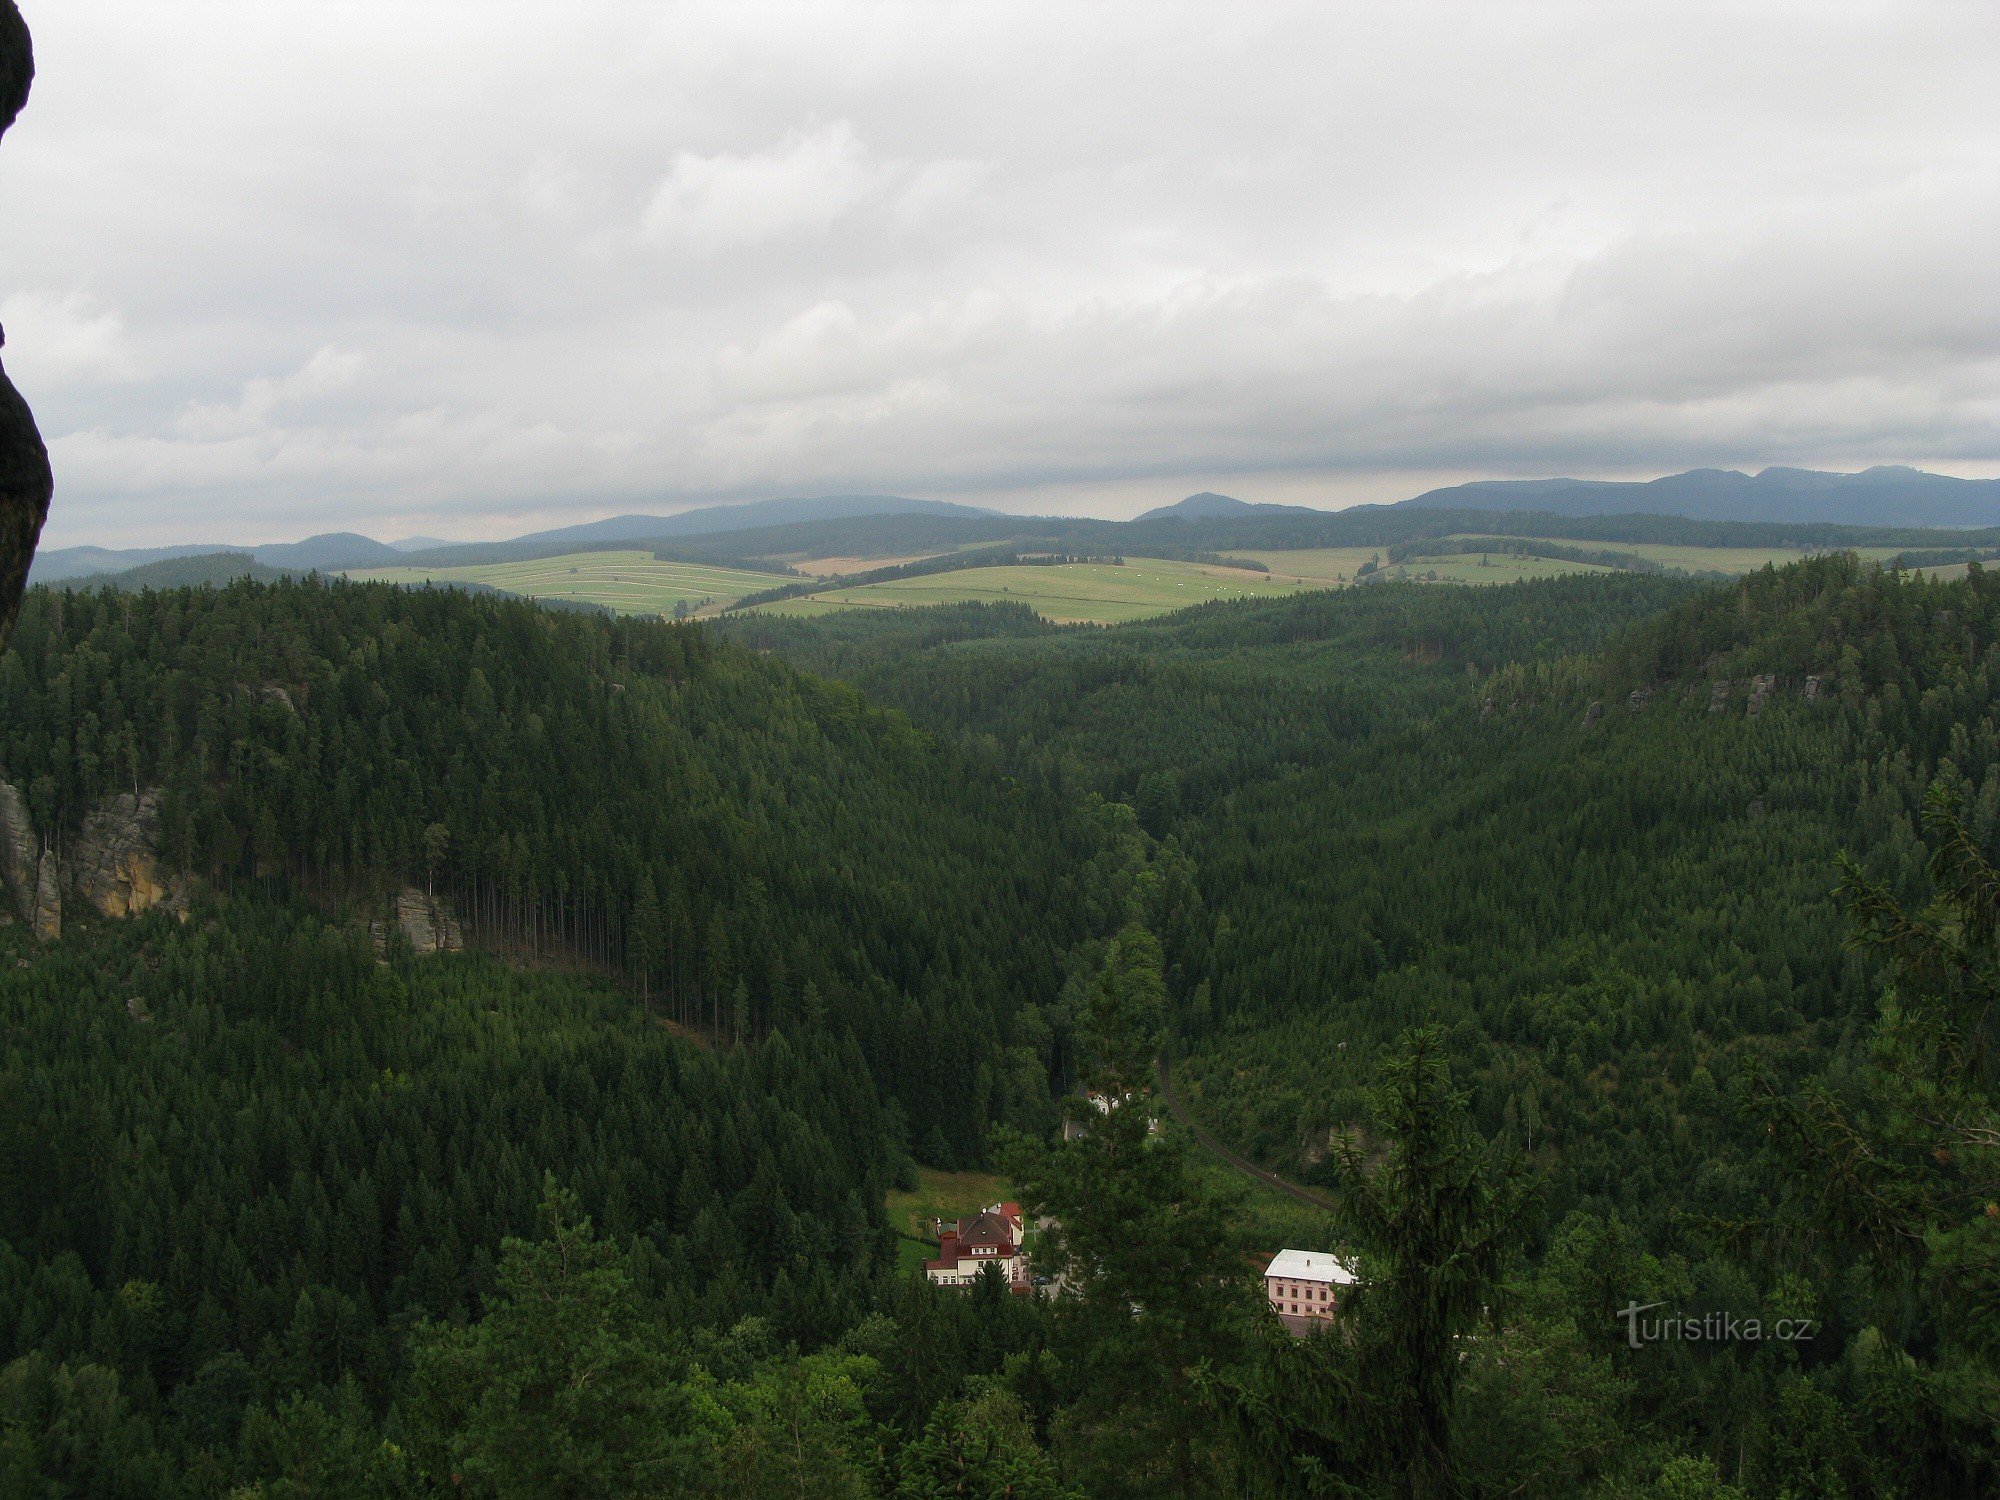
1889, 495
337, 551
710, 519
1881, 498
1209, 505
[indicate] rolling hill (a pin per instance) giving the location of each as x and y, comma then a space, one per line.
1883, 496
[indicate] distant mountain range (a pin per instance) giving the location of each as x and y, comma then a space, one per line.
1208, 506
1880, 498
1887, 496
336, 551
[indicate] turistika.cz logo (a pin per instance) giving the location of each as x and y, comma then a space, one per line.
1709, 1328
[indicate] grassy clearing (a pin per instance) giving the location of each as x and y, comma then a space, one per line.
1324, 567
841, 567
1072, 593
633, 582
1716, 559
938, 1195
1496, 567
1315, 567
1333, 567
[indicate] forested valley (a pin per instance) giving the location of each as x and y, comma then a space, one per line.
1591, 943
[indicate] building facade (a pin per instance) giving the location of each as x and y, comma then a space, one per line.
991, 1237
1304, 1287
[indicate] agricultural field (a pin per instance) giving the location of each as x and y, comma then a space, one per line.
632, 582
1315, 567
937, 1195
1496, 567
1331, 567
1069, 593
1335, 567
1719, 559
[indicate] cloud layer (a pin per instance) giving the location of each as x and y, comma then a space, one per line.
466, 268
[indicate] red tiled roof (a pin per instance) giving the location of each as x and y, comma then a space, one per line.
986, 1228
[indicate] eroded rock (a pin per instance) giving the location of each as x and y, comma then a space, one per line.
18, 858
115, 865
426, 922
47, 918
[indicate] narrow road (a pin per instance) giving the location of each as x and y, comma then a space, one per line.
1241, 1164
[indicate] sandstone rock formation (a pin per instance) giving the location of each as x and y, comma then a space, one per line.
116, 864
25, 480
425, 921
47, 916
113, 862
18, 870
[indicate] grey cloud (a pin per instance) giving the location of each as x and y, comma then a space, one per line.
460, 267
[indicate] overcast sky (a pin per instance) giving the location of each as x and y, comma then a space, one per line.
467, 269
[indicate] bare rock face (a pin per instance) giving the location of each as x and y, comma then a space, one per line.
1718, 696
18, 866
116, 863
426, 922
1592, 713
1760, 690
47, 918
25, 480
1638, 698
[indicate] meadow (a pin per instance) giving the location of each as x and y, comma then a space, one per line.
1068, 593
631, 582
1336, 567
937, 1195
1722, 559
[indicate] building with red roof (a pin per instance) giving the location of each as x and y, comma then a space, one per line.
991, 1237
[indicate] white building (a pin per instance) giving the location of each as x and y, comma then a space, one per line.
991, 1237
1304, 1286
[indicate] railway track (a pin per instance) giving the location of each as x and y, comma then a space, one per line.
1242, 1164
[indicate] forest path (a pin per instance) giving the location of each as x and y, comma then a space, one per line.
1240, 1163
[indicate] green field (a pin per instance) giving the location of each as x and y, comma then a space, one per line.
937, 1195
1718, 559
1069, 593
633, 583
1317, 567
1497, 567
1333, 567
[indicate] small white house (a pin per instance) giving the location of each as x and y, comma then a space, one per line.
1304, 1286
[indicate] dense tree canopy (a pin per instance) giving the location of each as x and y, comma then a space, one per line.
1513, 918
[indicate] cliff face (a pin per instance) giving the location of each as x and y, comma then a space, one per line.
113, 863
116, 865
25, 480
19, 872
47, 916
425, 921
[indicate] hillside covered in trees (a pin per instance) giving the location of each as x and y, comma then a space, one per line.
1508, 917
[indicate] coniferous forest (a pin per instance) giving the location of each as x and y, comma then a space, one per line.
1615, 954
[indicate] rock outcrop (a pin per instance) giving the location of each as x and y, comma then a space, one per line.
47, 916
426, 922
116, 863
18, 864
25, 480
113, 862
